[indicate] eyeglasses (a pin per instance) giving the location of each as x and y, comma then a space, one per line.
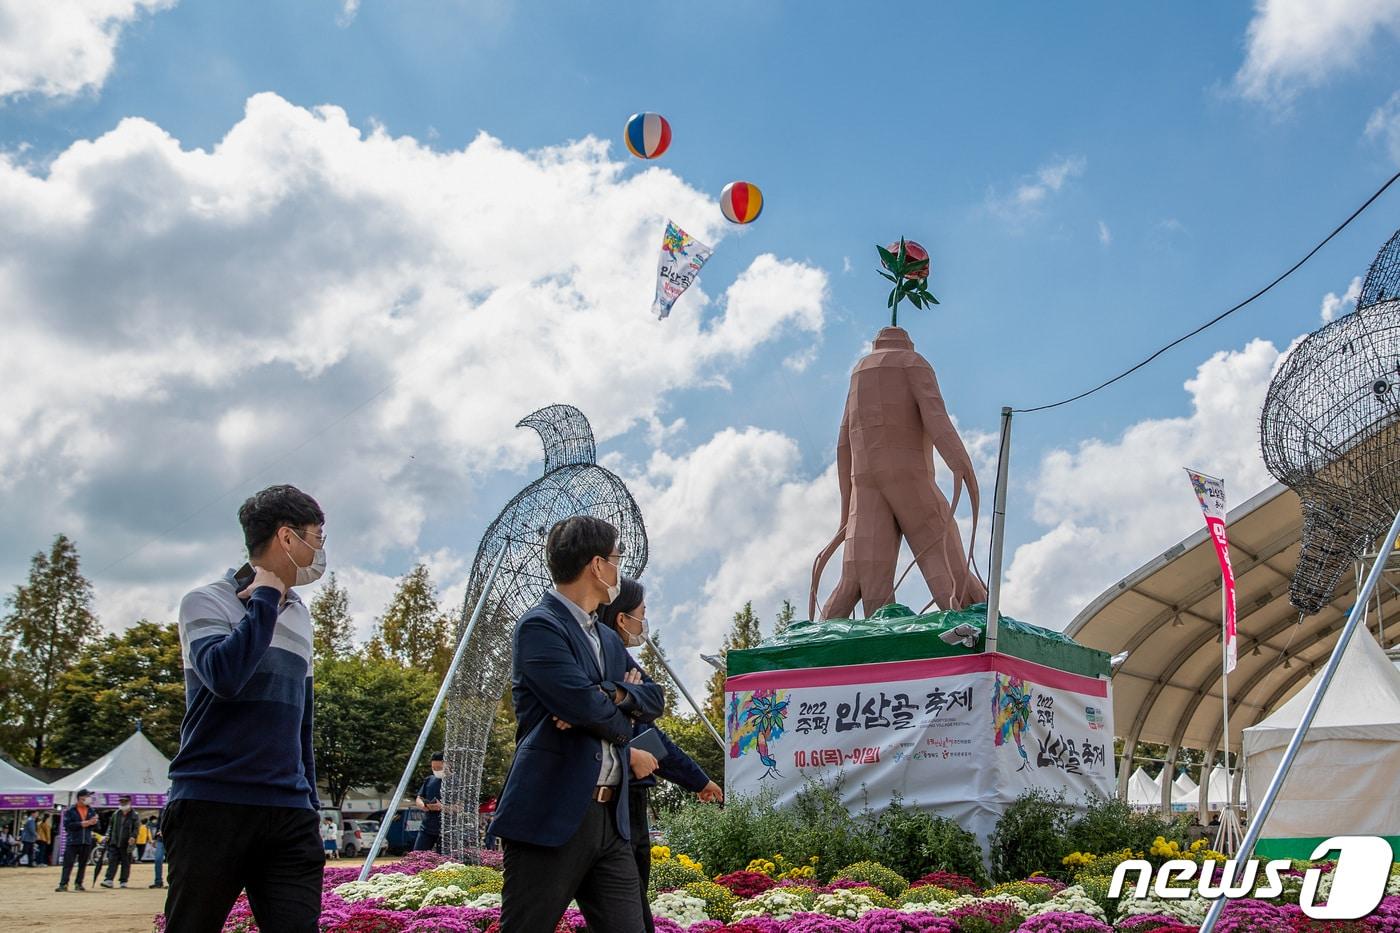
320, 537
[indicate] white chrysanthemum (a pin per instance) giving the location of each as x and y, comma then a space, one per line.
680, 907
844, 902
1190, 910
1073, 899
776, 903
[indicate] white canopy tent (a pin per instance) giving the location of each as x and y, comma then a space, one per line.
1217, 794
1144, 792
1343, 780
134, 767
19, 791
1185, 792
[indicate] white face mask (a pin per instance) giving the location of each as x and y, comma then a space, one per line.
614, 589
312, 572
439, 772
126, 808
628, 639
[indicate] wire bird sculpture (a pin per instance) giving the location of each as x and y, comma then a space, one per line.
1331, 431
572, 484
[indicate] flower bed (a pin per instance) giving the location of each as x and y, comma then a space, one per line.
425, 893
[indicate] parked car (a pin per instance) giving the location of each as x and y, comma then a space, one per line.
403, 828
356, 836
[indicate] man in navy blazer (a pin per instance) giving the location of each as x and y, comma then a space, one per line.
563, 813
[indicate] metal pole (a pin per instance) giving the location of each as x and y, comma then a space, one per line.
432, 717
998, 531
684, 692
1260, 814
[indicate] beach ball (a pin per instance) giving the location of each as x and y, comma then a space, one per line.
913, 252
741, 202
648, 135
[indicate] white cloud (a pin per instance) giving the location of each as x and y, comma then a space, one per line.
349, 9
1384, 124
1334, 305
59, 48
1105, 235
1109, 505
1291, 45
1027, 199
351, 312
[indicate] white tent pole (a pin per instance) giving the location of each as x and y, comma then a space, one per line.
432, 718
686, 693
1260, 811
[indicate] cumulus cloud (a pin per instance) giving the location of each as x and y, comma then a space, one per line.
1334, 305
349, 9
59, 48
352, 312
1291, 45
1028, 197
1108, 505
1384, 125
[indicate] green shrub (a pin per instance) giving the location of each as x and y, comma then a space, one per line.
949, 847
914, 843
669, 874
892, 883
719, 900
1109, 824
1031, 836
825, 828
728, 838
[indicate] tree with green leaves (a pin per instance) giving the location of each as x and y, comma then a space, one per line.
743, 633
651, 662
691, 736
49, 622
331, 625
368, 714
785, 616
120, 682
414, 629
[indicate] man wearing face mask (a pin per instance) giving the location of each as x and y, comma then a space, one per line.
563, 813
429, 800
121, 836
243, 804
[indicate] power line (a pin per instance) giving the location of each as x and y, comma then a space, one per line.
1222, 315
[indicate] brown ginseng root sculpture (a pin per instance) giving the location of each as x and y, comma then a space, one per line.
894, 419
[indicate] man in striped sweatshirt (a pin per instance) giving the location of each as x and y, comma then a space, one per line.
243, 805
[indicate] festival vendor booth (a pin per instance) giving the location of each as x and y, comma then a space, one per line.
135, 768
1144, 792
20, 792
1343, 780
912, 706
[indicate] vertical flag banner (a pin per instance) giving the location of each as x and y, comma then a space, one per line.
681, 258
1211, 494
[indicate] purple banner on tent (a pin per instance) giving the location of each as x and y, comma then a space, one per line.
139, 801
25, 801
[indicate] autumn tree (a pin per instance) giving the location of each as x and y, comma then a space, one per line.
650, 660
49, 622
743, 633
785, 617
332, 628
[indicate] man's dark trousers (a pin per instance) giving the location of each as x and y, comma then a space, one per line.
78, 853
426, 841
222, 849
596, 867
119, 855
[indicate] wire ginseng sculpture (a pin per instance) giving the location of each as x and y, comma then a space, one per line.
572, 484
1329, 431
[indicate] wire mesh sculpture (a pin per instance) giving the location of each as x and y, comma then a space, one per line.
1331, 431
572, 484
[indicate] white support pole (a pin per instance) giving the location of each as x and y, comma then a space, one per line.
1260, 813
685, 693
432, 717
998, 531
1228, 836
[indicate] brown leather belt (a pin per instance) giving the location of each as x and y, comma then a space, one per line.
604, 793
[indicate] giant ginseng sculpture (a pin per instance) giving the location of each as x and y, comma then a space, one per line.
1329, 431
894, 419
572, 484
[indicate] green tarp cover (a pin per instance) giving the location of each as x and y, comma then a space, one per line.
895, 633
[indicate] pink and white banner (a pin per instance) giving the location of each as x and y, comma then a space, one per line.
1210, 491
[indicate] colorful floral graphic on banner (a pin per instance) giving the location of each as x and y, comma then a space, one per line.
681, 258
1011, 711
756, 720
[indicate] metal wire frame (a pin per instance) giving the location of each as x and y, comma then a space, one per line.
1330, 430
572, 484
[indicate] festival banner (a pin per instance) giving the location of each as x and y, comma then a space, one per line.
138, 801
681, 258
25, 801
1210, 492
962, 736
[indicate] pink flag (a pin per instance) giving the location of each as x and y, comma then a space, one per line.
1211, 493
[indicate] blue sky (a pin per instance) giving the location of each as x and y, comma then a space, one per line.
1089, 183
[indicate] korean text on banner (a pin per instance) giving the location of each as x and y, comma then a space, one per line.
1211, 494
681, 258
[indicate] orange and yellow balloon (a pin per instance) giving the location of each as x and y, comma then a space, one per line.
741, 202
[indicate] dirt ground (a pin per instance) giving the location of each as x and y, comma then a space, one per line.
28, 901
